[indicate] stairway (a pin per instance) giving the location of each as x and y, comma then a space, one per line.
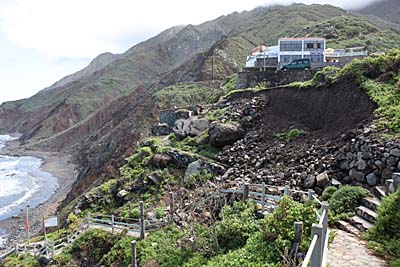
366, 216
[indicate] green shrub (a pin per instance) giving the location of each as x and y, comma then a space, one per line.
386, 232
160, 212
237, 225
90, 248
344, 201
120, 254
160, 248
24, 260
328, 193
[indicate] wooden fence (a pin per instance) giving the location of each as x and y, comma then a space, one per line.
113, 224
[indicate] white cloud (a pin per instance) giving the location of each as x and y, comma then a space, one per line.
36, 35
85, 28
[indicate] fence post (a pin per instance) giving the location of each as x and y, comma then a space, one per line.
263, 197
52, 249
88, 219
316, 257
325, 207
142, 225
112, 224
245, 191
309, 195
286, 191
133, 248
16, 248
171, 207
298, 231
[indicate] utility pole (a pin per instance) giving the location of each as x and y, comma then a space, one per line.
27, 223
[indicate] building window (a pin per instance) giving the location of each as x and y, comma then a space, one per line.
310, 45
290, 46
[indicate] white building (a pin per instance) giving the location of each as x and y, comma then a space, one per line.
294, 48
262, 54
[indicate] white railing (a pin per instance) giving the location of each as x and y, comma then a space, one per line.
318, 251
347, 54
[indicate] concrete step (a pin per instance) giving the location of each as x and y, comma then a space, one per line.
367, 214
380, 192
360, 223
371, 202
347, 227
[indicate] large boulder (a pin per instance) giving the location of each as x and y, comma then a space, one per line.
222, 134
190, 127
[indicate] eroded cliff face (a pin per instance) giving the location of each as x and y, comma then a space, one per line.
118, 129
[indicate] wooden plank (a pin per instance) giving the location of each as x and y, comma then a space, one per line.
231, 191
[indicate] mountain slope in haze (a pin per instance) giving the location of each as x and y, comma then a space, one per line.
96, 64
387, 9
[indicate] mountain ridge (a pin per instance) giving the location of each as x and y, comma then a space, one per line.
86, 116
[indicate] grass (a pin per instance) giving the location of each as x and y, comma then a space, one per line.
185, 94
291, 134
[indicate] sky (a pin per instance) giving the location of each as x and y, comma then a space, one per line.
42, 41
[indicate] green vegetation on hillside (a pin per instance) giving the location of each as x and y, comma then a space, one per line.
385, 235
380, 77
185, 94
237, 239
351, 31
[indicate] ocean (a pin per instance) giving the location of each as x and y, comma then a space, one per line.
22, 182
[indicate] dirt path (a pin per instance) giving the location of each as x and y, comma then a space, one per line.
347, 250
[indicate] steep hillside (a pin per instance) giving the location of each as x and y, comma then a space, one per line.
386, 9
327, 133
101, 112
341, 28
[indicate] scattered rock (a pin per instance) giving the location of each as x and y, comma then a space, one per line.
161, 129
395, 152
122, 193
372, 179
194, 168
335, 183
161, 161
155, 178
190, 127
309, 181
357, 175
322, 179
225, 134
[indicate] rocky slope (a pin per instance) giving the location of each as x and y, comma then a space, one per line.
100, 112
386, 9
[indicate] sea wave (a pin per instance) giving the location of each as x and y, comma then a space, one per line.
22, 183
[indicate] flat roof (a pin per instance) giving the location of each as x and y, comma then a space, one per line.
302, 38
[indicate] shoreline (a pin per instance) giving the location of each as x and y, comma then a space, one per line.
57, 164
